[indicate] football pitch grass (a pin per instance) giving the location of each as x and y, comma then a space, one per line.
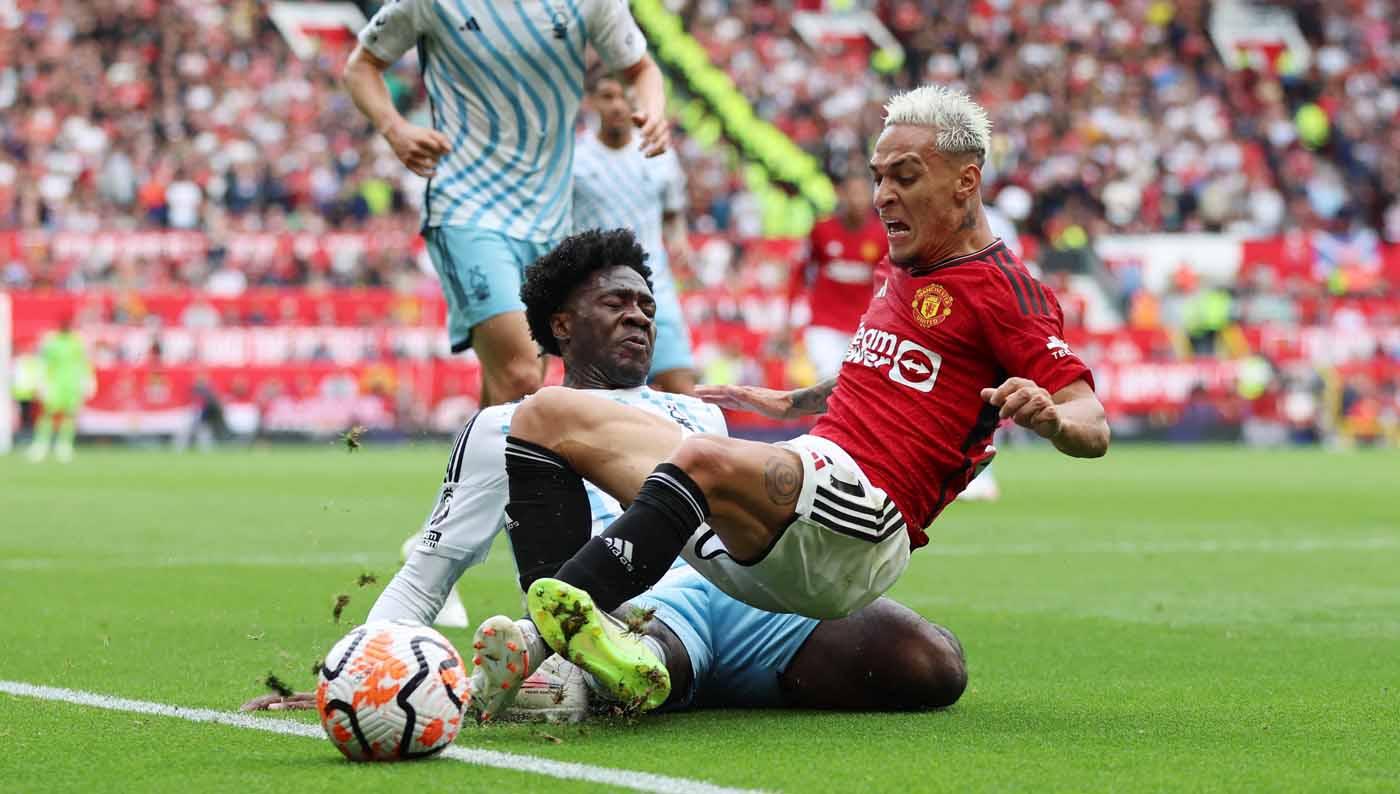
1166, 619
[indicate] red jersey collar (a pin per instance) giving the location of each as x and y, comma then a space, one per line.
982, 253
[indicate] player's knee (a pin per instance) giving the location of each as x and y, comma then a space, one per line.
933, 672
706, 459
514, 381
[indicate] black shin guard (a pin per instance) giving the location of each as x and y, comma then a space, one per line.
637, 550
548, 517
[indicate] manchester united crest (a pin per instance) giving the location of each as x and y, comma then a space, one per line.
932, 305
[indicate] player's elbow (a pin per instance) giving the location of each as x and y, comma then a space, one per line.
351, 69
360, 65
633, 73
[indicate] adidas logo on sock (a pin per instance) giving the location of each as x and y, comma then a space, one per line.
622, 550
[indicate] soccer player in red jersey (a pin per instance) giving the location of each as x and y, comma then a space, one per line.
960, 338
840, 274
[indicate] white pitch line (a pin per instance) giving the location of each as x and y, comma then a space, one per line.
156, 561
1289, 546
619, 778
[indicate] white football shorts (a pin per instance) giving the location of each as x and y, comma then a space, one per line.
846, 547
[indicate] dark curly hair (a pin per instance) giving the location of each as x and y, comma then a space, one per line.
553, 277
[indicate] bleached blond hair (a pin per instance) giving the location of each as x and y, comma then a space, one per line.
962, 124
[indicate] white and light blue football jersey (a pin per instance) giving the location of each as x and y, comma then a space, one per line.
470, 508
504, 80
625, 189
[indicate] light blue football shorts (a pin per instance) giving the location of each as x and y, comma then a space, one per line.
481, 272
737, 652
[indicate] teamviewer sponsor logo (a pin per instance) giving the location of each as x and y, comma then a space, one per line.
915, 366
909, 364
871, 347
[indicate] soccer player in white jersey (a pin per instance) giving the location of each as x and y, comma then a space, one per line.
504, 82
591, 301
616, 186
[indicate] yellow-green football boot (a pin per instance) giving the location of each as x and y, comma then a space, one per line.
621, 664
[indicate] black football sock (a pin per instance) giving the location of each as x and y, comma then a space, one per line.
637, 550
548, 517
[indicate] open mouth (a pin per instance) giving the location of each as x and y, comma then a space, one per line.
895, 229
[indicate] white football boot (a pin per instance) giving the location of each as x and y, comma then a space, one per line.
557, 692
500, 664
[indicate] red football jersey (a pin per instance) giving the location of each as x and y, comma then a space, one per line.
840, 273
908, 405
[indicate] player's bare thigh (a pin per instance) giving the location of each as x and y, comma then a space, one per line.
752, 488
611, 445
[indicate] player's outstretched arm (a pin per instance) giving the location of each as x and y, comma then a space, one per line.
297, 701
771, 403
418, 148
1072, 418
644, 77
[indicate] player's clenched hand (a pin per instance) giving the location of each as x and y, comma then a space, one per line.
1027, 405
771, 403
419, 148
656, 133
295, 702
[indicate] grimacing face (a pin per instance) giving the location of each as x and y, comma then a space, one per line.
920, 193
608, 321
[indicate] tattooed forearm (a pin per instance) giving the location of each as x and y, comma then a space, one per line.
783, 479
812, 400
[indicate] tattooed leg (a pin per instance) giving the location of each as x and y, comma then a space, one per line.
745, 490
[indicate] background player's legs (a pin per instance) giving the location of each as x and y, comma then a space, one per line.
672, 361
511, 367
882, 657
480, 273
43, 434
983, 488
826, 349
67, 432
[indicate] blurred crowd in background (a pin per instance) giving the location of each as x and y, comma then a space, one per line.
1110, 117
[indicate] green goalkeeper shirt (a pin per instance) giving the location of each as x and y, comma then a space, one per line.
65, 360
